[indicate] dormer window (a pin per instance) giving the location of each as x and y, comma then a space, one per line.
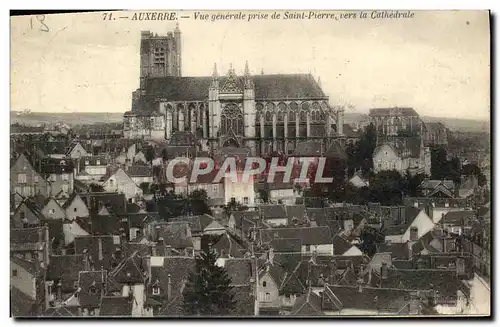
92, 290
98, 162
156, 290
87, 162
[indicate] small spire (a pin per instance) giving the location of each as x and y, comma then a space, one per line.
230, 67
262, 71
214, 74
247, 71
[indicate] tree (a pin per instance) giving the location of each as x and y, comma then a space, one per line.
149, 154
370, 237
208, 289
387, 187
413, 183
144, 187
198, 200
264, 193
96, 188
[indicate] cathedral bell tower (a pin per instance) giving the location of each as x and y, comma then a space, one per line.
214, 105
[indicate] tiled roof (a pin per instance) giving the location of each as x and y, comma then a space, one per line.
457, 218
131, 270
21, 305
102, 250
197, 223
66, 269
280, 86
240, 270
272, 211
340, 245
309, 304
116, 306
178, 268
96, 200
433, 183
375, 112
91, 284
228, 245
286, 244
308, 235
379, 299
140, 171
175, 234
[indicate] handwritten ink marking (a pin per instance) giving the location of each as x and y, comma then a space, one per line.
41, 20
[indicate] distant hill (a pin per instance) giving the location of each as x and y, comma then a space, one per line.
70, 118
351, 118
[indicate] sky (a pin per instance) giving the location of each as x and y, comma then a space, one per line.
437, 62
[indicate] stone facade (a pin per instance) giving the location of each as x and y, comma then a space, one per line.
262, 112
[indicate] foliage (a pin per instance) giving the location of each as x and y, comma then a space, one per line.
208, 290
149, 154
145, 187
388, 187
360, 155
96, 188
369, 238
442, 168
198, 202
264, 194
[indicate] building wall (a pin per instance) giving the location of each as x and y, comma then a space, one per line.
24, 281
25, 180
53, 210
77, 208
385, 158
30, 216
77, 152
72, 230
240, 191
423, 223
268, 295
321, 249
61, 182
120, 182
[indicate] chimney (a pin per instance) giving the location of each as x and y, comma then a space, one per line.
271, 256
383, 270
460, 265
86, 260
333, 270
359, 282
59, 291
101, 257
410, 249
168, 250
169, 288
153, 250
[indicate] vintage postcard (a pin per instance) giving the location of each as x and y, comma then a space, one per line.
250, 164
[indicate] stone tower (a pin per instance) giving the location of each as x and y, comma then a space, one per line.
160, 55
249, 108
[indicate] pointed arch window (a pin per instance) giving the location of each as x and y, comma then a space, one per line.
232, 120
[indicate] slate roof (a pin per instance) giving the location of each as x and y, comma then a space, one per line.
131, 269
340, 245
197, 223
179, 269
240, 270
309, 304
66, 269
91, 284
102, 250
375, 112
279, 86
397, 250
286, 245
380, 299
116, 306
140, 171
175, 234
457, 218
27, 239
21, 305
228, 246
95, 200
433, 183
308, 235
273, 211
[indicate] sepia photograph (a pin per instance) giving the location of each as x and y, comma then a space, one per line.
251, 164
